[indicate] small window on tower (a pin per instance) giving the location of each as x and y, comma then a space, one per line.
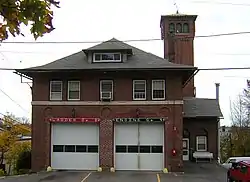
178, 28
171, 28
185, 28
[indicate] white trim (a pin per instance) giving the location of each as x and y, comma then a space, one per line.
164, 89
186, 158
112, 91
107, 61
50, 89
112, 103
202, 150
145, 90
79, 89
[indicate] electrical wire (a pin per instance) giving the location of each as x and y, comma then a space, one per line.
222, 3
14, 101
132, 40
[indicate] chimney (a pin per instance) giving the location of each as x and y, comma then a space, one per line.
217, 86
178, 31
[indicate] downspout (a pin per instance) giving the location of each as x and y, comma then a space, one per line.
217, 86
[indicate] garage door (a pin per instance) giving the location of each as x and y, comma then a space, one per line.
74, 146
139, 146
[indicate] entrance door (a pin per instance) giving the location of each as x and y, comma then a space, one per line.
185, 146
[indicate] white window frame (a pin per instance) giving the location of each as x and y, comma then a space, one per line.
201, 150
107, 61
164, 89
50, 90
144, 87
112, 91
70, 81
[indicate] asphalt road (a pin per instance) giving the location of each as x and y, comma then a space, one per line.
193, 173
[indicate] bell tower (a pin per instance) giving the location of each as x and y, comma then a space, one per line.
178, 32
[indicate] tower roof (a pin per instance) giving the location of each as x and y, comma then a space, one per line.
178, 15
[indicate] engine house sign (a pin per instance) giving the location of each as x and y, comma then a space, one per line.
138, 120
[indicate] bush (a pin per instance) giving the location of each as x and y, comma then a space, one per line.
24, 171
23, 162
2, 173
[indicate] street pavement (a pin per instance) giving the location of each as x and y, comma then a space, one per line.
193, 173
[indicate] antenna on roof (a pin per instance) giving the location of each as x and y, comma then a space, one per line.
176, 6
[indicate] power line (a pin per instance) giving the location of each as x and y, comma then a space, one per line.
60, 52
223, 69
132, 40
200, 69
222, 3
13, 100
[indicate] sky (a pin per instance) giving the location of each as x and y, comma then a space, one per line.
98, 20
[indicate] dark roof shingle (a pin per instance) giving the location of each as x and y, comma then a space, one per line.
201, 107
139, 60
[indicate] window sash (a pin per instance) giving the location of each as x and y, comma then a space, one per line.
55, 90
158, 89
106, 85
139, 90
107, 57
73, 90
201, 143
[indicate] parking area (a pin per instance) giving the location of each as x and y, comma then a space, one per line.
193, 172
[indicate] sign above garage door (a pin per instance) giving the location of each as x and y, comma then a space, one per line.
74, 120
138, 120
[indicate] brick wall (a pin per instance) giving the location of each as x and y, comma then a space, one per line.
41, 130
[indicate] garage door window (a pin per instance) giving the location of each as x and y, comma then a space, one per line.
70, 148
76, 148
133, 149
138, 149
58, 148
81, 148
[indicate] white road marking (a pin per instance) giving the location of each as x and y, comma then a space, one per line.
84, 179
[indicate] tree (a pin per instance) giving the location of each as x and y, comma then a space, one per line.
37, 13
240, 131
9, 134
17, 157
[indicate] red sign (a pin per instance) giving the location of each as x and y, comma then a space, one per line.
74, 120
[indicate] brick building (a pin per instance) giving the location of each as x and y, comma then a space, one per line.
114, 105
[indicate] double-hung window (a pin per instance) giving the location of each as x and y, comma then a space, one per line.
201, 143
106, 89
73, 90
139, 90
158, 89
56, 90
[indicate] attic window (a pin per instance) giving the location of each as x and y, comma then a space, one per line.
107, 57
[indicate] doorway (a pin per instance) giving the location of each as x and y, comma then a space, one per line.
185, 149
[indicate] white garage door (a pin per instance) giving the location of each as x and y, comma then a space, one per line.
74, 146
139, 146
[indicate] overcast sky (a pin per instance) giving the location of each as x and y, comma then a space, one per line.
99, 20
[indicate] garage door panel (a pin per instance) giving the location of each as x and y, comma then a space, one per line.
75, 162
126, 161
62, 135
151, 161
74, 146
126, 134
139, 146
151, 134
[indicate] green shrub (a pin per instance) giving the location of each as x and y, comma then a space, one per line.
24, 171
2, 173
24, 161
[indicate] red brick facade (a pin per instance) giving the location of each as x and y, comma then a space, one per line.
41, 131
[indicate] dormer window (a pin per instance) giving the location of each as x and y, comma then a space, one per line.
107, 57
